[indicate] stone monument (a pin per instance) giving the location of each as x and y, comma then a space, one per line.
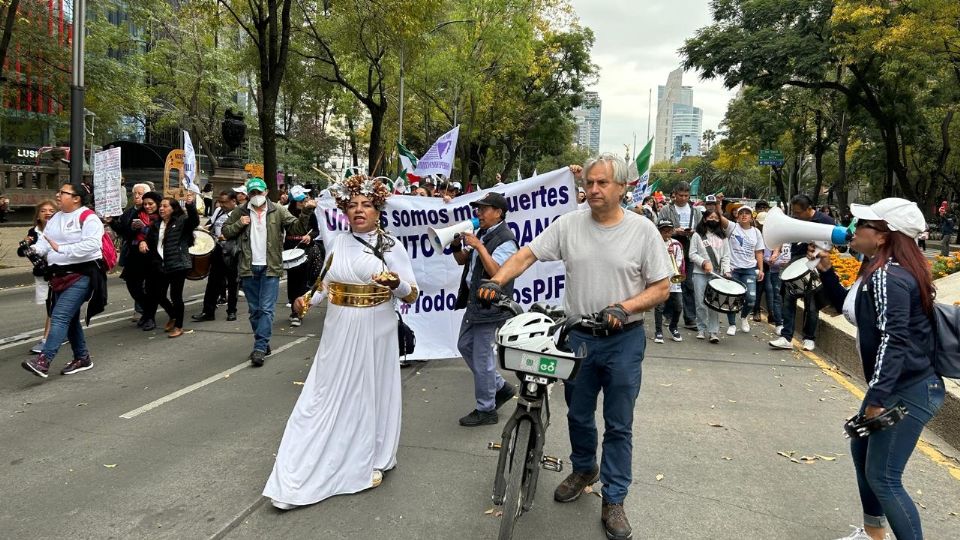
229, 172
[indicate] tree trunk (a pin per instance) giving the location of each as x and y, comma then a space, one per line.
266, 117
9, 17
352, 137
778, 184
841, 189
375, 151
819, 148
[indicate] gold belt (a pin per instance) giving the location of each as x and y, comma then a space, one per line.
349, 294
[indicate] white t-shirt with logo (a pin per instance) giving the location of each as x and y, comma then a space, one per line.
684, 215
744, 244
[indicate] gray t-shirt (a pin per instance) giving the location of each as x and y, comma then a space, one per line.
604, 265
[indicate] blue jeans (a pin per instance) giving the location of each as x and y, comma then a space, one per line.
747, 276
261, 291
476, 345
771, 283
613, 364
65, 320
811, 316
881, 457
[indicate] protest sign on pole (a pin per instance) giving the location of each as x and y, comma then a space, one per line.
106, 183
189, 164
533, 204
439, 158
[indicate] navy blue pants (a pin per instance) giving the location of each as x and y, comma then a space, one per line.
613, 364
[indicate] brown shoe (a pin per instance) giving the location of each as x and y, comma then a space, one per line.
615, 522
572, 486
171, 324
175, 332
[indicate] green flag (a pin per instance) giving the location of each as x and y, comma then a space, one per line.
643, 163
695, 186
654, 187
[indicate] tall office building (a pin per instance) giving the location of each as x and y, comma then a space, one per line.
587, 117
679, 123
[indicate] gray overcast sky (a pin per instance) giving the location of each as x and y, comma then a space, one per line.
636, 47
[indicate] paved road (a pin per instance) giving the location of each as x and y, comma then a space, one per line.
83, 458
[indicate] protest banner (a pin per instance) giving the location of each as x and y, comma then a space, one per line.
533, 205
439, 158
106, 183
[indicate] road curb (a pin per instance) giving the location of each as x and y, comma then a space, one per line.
837, 342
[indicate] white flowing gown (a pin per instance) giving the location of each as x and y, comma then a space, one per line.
346, 423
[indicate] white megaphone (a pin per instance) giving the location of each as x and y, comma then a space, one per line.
779, 229
441, 238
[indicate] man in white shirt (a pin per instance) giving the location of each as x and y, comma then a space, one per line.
620, 285
746, 262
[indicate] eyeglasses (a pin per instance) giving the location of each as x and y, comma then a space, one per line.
868, 225
70, 193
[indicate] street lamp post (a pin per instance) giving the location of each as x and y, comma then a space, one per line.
76, 93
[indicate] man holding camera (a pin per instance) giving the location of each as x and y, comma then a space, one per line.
619, 285
493, 244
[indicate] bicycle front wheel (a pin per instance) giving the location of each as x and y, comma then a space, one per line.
516, 474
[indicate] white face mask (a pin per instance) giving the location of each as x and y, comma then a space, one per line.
258, 200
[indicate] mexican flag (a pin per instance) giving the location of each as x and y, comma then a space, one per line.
408, 164
642, 165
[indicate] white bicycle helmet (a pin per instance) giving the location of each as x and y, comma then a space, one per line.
531, 332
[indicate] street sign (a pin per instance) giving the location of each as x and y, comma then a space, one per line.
773, 158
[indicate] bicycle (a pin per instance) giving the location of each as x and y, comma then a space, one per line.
534, 346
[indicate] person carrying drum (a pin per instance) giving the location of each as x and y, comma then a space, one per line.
685, 218
223, 264
709, 252
260, 226
168, 243
620, 284
746, 262
801, 207
298, 276
891, 304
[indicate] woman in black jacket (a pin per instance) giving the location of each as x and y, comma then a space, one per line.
167, 243
891, 303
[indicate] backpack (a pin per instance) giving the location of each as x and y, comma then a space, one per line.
946, 349
106, 243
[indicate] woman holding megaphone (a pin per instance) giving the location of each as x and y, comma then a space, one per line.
891, 303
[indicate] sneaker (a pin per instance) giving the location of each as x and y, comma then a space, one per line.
256, 358
732, 330
222, 301
675, 335
78, 365
714, 338
701, 335
504, 395
744, 325
479, 418
282, 505
658, 338
201, 317
148, 325
781, 343
615, 523
295, 322
38, 348
573, 485
778, 329
860, 534
809, 345
38, 366
231, 315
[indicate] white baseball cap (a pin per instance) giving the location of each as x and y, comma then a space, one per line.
899, 214
240, 189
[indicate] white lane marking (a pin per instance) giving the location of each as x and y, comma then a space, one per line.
209, 380
101, 320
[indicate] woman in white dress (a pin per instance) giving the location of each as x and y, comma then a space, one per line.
345, 428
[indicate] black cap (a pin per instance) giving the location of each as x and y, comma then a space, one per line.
664, 224
494, 199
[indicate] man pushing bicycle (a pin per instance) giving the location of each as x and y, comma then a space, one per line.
615, 264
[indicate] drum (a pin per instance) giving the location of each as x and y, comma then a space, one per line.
200, 253
799, 280
725, 295
293, 258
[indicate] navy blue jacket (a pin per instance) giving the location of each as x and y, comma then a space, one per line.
895, 335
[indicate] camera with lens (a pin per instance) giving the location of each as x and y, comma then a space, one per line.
39, 261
